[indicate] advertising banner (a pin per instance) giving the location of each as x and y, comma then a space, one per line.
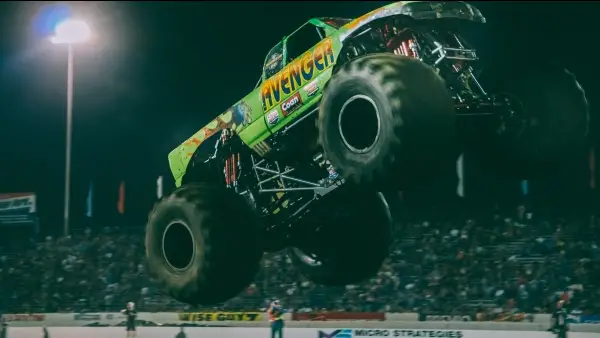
445, 318
351, 333
220, 316
510, 317
235, 332
583, 319
20, 202
18, 209
338, 316
24, 317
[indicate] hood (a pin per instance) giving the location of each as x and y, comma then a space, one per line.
417, 10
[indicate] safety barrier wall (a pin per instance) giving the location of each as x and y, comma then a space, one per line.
258, 319
193, 332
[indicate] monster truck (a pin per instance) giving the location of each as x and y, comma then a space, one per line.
344, 110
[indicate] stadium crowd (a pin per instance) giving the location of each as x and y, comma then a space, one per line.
495, 263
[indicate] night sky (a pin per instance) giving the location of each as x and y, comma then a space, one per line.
155, 72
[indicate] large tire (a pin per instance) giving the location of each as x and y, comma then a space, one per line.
387, 119
345, 240
203, 244
549, 125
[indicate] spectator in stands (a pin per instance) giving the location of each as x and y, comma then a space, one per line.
439, 265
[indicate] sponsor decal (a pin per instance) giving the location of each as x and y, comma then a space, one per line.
311, 88
291, 105
274, 61
242, 115
273, 117
296, 74
351, 333
220, 316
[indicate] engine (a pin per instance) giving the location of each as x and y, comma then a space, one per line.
435, 42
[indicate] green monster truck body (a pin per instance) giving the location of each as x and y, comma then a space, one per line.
260, 114
345, 109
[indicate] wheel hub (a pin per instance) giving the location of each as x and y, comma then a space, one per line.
359, 123
178, 245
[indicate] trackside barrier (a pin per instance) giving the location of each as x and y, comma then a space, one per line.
258, 319
543, 318
194, 332
82, 319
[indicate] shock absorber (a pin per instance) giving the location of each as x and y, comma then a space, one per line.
403, 45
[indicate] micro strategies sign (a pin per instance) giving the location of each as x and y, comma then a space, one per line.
353, 333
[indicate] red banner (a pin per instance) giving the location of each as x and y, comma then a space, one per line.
325, 316
24, 317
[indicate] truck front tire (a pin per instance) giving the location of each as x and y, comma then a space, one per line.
387, 119
203, 244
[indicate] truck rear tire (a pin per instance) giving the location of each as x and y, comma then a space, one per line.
349, 238
387, 119
548, 127
203, 244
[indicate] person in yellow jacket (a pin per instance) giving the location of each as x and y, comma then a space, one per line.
275, 313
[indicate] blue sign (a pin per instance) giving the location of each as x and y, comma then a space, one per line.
592, 319
87, 316
581, 319
339, 333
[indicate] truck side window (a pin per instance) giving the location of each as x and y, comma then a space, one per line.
274, 61
301, 41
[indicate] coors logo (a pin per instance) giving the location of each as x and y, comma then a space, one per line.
291, 104
311, 88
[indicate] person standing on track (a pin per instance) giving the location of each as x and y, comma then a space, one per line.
131, 315
275, 313
3, 327
559, 320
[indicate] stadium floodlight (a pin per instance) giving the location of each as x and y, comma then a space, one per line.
71, 31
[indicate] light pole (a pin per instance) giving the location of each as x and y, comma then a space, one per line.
69, 32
